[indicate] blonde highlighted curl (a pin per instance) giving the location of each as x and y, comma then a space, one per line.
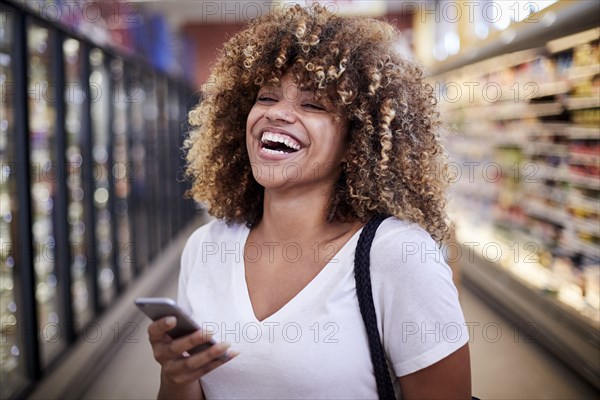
395, 162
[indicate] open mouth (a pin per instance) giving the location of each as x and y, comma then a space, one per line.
277, 143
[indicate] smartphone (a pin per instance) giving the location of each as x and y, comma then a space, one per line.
160, 307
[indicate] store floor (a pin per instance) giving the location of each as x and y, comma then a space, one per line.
505, 363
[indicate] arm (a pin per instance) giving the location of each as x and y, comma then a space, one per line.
169, 390
449, 378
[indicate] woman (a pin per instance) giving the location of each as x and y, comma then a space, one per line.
311, 125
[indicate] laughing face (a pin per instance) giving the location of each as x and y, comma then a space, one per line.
293, 138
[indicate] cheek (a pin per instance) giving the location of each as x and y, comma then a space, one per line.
339, 139
253, 117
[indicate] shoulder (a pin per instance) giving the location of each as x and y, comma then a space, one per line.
401, 247
209, 235
396, 237
393, 227
216, 229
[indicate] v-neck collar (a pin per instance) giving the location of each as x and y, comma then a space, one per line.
305, 292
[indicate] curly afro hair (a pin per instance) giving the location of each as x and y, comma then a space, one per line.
395, 162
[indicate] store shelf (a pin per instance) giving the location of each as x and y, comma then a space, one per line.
568, 42
553, 140
541, 210
585, 226
550, 149
550, 173
583, 202
583, 132
589, 182
551, 194
579, 245
544, 129
551, 89
517, 111
577, 103
583, 72
584, 159
521, 295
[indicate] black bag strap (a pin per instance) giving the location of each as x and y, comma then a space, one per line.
362, 275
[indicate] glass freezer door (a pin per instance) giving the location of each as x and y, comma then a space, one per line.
74, 96
100, 109
42, 97
13, 373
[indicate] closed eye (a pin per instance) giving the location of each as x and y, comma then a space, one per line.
313, 106
266, 99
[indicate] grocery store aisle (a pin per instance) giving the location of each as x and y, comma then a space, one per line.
505, 363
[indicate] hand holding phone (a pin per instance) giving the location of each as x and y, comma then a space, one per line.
180, 374
160, 307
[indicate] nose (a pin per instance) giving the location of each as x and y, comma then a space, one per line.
281, 111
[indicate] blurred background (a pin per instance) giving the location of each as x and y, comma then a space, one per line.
95, 96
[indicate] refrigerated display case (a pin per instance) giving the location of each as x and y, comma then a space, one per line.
13, 374
162, 141
151, 188
139, 192
123, 171
99, 82
43, 168
76, 200
74, 97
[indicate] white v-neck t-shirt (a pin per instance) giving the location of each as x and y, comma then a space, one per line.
315, 346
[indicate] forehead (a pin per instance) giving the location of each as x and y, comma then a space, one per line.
289, 87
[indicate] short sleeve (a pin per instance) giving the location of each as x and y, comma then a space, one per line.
188, 259
419, 314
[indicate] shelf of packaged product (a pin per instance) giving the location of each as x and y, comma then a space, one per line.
528, 294
558, 213
562, 174
568, 42
507, 111
586, 181
518, 255
549, 89
584, 159
550, 173
578, 103
516, 111
539, 209
511, 101
583, 72
584, 226
583, 202
545, 192
531, 130
582, 132
541, 129
571, 240
545, 149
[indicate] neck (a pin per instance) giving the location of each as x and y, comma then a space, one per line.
298, 215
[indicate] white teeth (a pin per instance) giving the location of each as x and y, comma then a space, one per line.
273, 151
278, 138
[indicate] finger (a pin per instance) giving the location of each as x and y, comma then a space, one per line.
190, 341
178, 371
214, 352
158, 328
